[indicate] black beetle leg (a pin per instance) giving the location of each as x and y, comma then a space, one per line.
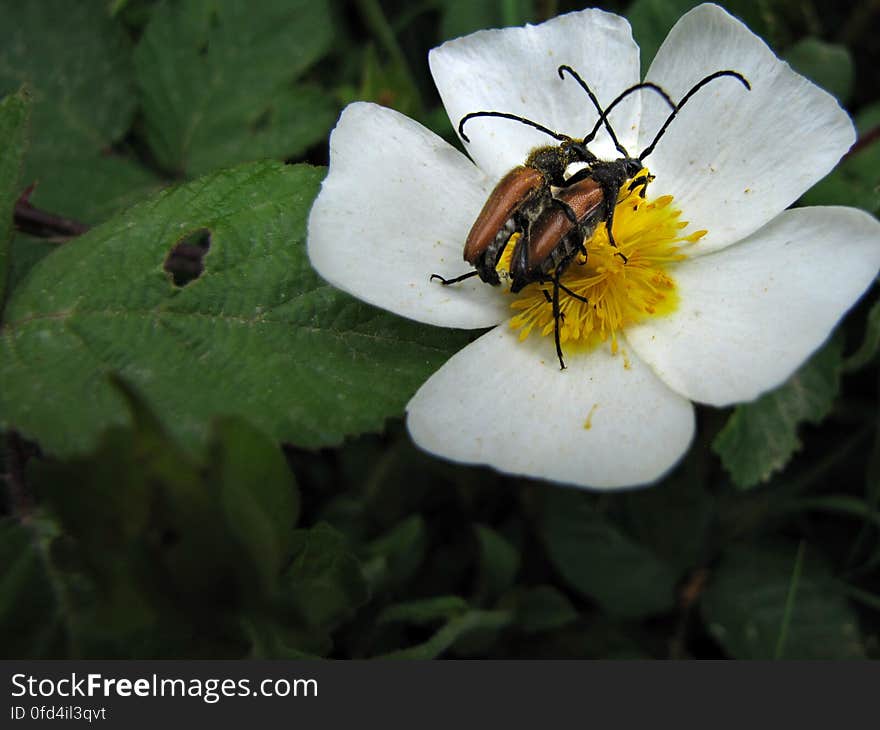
641, 182
550, 301
557, 317
447, 282
572, 294
608, 223
638, 182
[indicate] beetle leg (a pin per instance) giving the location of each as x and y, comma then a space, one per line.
572, 294
641, 182
447, 282
638, 182
550, 301
557, 317
609, 221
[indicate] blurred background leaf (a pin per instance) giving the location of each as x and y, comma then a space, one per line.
130, 564
827, 64
762, 436
855, 181
14, 115
599, 561
77, 63
191, 54
775, 602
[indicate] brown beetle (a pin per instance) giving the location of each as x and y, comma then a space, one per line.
515, 203
525, 192
555, 238
558, 234
553, 228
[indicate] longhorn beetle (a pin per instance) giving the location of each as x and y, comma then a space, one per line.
553, 229
525, 192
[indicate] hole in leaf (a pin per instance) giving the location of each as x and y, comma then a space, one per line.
202, 50
185, 261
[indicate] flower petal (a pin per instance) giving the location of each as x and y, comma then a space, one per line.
751, 314
603, 422
514, 70
734, 158
396, 207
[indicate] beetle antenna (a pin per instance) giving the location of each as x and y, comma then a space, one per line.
515, 118
699, 85
620, 97
602, 115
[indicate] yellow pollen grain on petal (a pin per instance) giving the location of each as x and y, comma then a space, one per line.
588, 424
623, 286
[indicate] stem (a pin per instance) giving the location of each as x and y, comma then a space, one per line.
866, 140
789, 601
42, 224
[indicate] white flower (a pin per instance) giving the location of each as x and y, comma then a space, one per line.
750, 301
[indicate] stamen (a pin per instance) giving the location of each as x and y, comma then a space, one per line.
619, 294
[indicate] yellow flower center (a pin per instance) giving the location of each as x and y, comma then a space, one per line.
619, 292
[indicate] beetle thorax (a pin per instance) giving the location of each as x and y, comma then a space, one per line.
553, 160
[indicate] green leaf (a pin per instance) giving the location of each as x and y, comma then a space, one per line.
258, 495
461, 17
499, 563
157, 541
760, 437
453, 631
542, 608
30, 617
826, 64
14, 115
217, 79
257, 335
870, 342
77, 62
688, 510
599, 561
866, 598
652, 20
325, 582
396, 556
388, 84
751, 597
271, 640
24, 252
854, 182
424, 611
842, 504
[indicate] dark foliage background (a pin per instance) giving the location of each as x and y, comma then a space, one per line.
152, 366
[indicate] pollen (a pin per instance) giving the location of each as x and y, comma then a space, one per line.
620, 290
